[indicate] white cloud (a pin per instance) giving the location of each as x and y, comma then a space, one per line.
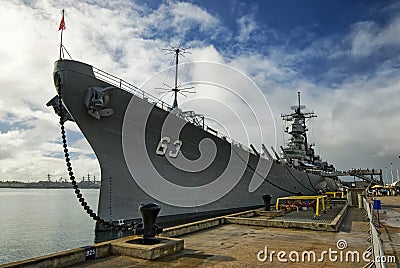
368, 36
186, 14
173, 20
246, 26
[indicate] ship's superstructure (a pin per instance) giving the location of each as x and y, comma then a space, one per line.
299, 152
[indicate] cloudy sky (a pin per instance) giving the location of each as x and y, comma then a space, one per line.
342, 55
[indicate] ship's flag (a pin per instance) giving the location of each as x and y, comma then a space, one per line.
62, 23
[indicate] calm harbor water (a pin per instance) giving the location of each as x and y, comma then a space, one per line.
35, 222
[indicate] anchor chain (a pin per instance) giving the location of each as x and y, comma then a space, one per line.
126, 227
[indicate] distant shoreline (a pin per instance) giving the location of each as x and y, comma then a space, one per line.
49, 185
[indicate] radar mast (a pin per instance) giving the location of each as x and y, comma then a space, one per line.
178, 51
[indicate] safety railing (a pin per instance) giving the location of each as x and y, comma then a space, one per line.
376, 242
122, 84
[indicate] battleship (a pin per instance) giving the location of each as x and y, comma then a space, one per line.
150, 151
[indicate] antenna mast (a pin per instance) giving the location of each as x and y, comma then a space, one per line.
178, 51
298, 97
175, 89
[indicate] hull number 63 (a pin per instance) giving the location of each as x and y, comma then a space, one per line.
162, 147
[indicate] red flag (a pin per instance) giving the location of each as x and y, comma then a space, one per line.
62, 23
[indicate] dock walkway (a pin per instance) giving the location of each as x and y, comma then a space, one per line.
226, 244
234, 245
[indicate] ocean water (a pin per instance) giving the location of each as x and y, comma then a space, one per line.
35, 222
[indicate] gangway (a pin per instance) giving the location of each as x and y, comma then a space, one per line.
364, 174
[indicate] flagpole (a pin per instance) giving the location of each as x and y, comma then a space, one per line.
62, 30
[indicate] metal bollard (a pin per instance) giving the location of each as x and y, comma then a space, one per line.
149, 213
267, 201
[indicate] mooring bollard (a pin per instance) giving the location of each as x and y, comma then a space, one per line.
149, 213
267, 201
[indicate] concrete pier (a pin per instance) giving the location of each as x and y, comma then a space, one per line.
249, 239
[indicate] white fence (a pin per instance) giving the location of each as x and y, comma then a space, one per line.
376, 242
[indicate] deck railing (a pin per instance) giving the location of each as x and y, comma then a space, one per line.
122, 84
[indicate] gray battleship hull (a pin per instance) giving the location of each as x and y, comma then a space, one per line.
200, 174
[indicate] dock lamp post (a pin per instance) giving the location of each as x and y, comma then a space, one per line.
386, 177
398, 178
391, 171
